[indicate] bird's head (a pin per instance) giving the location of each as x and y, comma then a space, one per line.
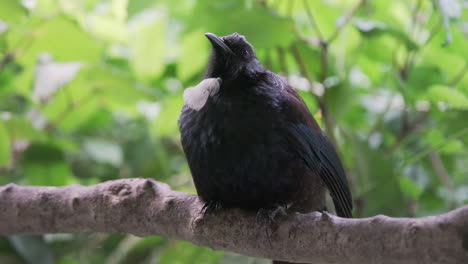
232, 56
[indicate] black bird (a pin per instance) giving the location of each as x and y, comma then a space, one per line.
252, 143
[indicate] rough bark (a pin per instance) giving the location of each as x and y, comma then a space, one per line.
144, 207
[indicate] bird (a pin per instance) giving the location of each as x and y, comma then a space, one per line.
252, 143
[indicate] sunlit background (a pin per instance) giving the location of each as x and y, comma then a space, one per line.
91, 90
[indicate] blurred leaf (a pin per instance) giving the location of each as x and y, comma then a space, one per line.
148, 45
310, 53
5, 147
59, 36
117, 90
376, 179
68, 261
136, 6
144, 249
12, 10
231, 258
93, 90
104, 151
45, 165
194, 55
166, 123
434, 137
372, 28
184, 252
109, 28
275, 30
51, 76
453, 146
410, 188
33, 249
340, 97
422, 77
449, 9
22, 128
453, 97
49, 174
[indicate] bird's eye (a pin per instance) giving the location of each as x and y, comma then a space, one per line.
246, 53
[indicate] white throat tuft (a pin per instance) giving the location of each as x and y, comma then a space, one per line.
196, 97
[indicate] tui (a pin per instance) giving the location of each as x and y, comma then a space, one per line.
252, 143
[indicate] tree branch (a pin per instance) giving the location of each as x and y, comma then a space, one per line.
312, 20
346, 19
144, 207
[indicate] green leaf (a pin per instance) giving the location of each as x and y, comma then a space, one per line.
449, 9
45, 164
451, 96
184, 252
12, 10
372, 28
93, 90
374, 170
310, 56
109, 28
453, 146
140, 251
33, 249
22, 128
61, 37
410, 188
262, 27
103, 151
148, 46
5, 146
136, 6
166, 122
232, 258
194, 55
423, 76
51, 76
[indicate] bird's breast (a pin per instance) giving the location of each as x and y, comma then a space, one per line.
237, 153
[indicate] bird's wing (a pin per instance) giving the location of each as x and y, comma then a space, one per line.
308, 140
320, 156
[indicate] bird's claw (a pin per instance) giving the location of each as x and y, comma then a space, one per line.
266, 218
211, 207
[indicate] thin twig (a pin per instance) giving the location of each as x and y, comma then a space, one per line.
414, 16
439, 169
300, 62
407, 129
9, 57
69, 109
323, 107
410, 56
423, 153
346, 20
433, 32
324, 63
459, 76
282, 60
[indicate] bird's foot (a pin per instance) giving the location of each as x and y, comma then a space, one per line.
211, 207
267, 215
322, 210
266, 218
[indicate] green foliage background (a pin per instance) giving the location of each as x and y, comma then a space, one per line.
90, 90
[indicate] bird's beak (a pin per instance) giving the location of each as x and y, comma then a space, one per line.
218, 44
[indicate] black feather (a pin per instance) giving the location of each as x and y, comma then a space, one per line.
319, 155
254, 144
